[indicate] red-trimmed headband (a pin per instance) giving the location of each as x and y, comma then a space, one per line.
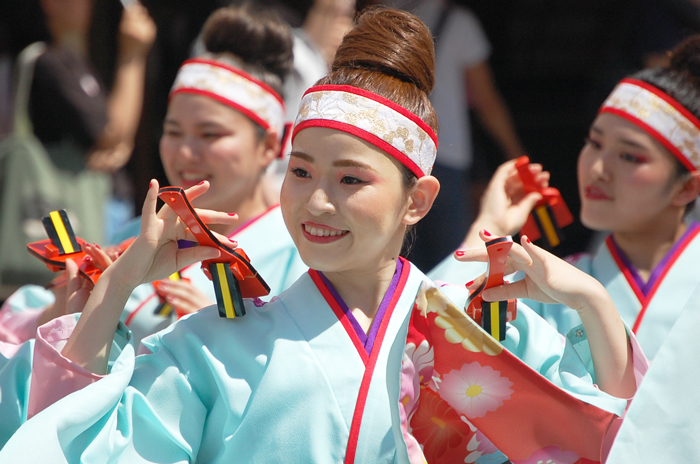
234, 88
373, 118
661, 116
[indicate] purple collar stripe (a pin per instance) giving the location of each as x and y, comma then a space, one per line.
367, 340
659, 269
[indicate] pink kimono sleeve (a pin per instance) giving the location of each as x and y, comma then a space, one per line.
18, 327
53, 375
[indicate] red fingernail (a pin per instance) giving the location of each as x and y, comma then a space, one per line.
468, 284
87, 259
232, 214
201, 183
527, 239
150, 184
96, 246
459, 253
487, 233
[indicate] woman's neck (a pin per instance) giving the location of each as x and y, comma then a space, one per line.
363, 291
645, 249
248, 207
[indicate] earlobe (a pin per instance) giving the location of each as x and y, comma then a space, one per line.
421, 199
689, 191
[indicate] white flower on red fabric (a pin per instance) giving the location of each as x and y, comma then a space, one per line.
475, 390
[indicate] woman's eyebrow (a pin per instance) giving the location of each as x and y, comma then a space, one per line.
302, 155
347, 163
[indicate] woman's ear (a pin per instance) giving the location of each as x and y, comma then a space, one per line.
270, 148
421, 199
689, 191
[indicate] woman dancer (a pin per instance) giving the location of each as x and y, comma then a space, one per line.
328, 370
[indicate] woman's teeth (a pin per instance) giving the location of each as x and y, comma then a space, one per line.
323, 232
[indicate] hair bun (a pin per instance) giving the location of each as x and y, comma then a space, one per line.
686, 57
253, 34
391, 42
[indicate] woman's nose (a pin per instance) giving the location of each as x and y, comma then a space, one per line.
320, 202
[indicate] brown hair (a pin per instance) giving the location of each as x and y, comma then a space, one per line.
389, 52
251, 38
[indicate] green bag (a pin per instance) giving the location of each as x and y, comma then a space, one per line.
33, 182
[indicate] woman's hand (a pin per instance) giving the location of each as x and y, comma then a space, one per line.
550, 279
184, 296
154, 254
505, 206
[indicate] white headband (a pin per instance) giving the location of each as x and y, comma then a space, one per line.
373, 118
234, 88
661, 116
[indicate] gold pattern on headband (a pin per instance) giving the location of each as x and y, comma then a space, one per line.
243, 92
373, 117
672, 125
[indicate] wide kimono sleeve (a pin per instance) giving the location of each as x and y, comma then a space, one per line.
467, 398
20, 313
15, 375
144, 410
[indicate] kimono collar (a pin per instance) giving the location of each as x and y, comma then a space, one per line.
373, 118
660, 116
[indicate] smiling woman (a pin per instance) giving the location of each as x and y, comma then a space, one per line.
347, 364
224, 125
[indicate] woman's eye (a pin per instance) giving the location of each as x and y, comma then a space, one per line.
592, 143
299, 172
350, 180
631, 158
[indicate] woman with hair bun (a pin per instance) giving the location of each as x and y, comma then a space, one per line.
362, 359
224, 125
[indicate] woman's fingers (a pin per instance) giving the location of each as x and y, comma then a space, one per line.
472, 254
197, 190
189, 256
101, 259
506, 292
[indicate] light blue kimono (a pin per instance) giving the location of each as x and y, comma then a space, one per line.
15, 374
650, 315
280, 384
661, 425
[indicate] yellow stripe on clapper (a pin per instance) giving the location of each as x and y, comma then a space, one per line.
495, 320
60, 232
547, 225
225, 290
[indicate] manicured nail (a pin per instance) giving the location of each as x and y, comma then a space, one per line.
487, 233
233, 214
88, 259
150, 184
469, 284
201, 183
527, 239
459, 253
96, 246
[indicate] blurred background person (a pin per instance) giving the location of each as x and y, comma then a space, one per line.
464, 80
